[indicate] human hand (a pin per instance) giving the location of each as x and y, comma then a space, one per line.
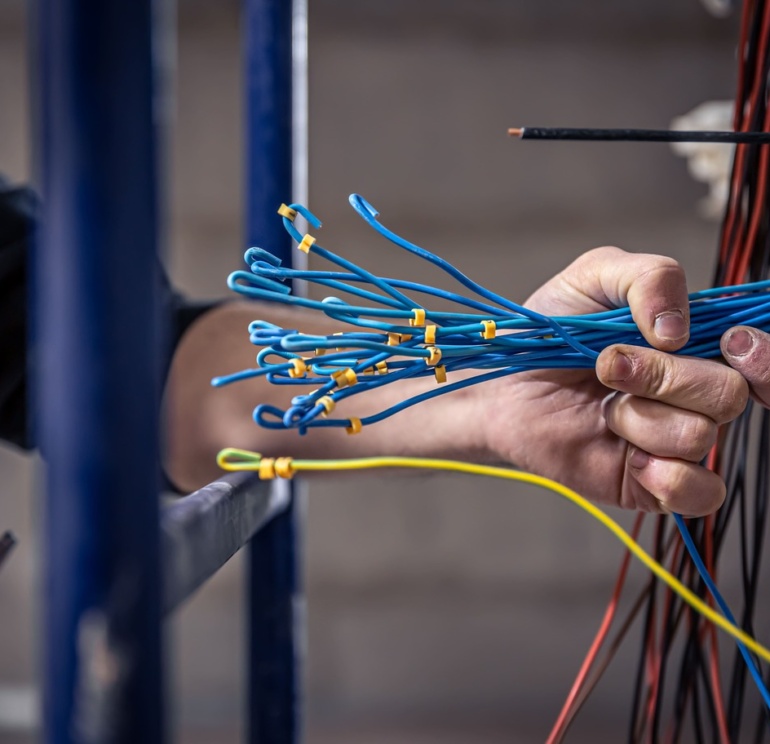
748, 351
633, 432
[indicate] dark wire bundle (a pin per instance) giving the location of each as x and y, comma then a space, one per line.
398, 338
680, 655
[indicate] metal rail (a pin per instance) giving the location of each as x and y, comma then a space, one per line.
202, 531
272, 578
115, 561
98, 363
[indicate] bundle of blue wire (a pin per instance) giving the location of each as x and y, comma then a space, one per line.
392, 344
387, 345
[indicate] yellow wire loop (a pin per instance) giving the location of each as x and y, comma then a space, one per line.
435, 356
345, 377
327, 402
300, 368
232, 459
307, 241
490, 329
440, 372
354, 426
284, 467
430, 334
288, 212
267, 468
419, 318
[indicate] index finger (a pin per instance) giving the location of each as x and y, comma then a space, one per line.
701, 385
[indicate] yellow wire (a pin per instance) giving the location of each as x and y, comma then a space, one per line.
234, 459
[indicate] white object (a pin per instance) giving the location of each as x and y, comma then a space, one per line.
708, 162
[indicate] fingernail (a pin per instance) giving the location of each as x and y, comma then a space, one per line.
739, 343
620, 368
637, 458
671, 326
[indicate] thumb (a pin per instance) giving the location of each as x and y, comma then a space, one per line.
748, 351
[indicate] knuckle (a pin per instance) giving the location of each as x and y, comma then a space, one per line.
656, 375
732, 395
696, 436
671, 488
658, 266
597, 256
676, 491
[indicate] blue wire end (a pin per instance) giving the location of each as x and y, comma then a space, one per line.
366, 210
255, 253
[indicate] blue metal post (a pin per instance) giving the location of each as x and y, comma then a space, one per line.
272, 562
98, 359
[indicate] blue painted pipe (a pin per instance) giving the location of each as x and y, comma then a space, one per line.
97, 391
272, 581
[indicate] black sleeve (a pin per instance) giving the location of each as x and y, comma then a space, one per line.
19, 215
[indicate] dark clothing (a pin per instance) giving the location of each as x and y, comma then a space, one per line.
19, 215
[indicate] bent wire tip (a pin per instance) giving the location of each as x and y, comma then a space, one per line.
362, 206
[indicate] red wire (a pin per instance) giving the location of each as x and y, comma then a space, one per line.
742, 115
599, 639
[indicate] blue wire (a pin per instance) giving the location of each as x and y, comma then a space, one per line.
523, 339
530, 341
709, 582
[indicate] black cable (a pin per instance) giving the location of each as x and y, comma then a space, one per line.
638, 135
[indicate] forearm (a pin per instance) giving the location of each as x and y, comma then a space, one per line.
201, 420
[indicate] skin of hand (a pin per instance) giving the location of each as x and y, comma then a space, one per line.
748, 351
631, 433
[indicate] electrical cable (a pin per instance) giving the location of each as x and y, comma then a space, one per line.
233, 459
704, 574
638, 135
399, 339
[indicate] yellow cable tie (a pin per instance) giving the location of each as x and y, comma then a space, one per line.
320, 352
430, 334
345, 377
490, 329
307, 241
394, 339
284, 467
382, 367
288, 212
354, 427
419, 318
435, 356
267, 468
440, 372
327, 402
300, 368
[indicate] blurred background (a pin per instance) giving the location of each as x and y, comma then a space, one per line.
441, 609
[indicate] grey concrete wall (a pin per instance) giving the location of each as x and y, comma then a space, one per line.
445, 609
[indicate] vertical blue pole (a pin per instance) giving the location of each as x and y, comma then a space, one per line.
98, 385
272, 564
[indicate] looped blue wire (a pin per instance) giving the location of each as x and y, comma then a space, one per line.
523, 339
